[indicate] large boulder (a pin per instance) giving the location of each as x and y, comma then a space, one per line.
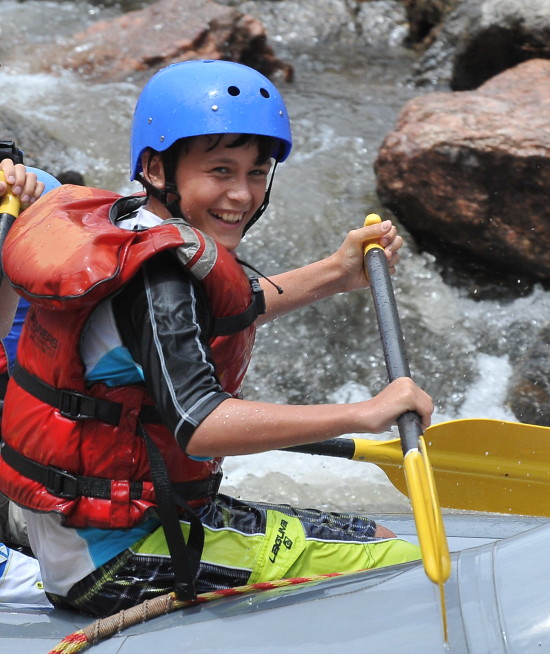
136, 44
472, 170
482, 38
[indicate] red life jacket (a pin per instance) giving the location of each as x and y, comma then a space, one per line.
65, 255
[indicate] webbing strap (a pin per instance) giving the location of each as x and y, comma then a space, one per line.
64, 483
233, 324
74, 405
185, 556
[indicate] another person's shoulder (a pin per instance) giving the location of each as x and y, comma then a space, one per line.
20, 580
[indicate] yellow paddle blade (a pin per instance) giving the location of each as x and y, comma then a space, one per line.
478, 465
427, 515
444, 621
495, 466
429, 522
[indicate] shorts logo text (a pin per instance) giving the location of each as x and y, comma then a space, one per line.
280, 540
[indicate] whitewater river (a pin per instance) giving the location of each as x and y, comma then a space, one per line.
459, 348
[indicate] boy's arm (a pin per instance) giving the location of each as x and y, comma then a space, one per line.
338, 273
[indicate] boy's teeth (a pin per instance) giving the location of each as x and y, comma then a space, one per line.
228, 217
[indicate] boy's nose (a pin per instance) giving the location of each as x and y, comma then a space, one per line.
239, 190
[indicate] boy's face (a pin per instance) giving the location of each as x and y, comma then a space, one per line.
221, 187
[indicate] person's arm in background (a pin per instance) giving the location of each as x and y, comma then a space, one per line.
8, 306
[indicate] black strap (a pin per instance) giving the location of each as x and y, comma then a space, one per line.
4, 379
63, 483
185, 556
74, 405
234, 324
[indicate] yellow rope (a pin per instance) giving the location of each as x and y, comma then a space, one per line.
162, 605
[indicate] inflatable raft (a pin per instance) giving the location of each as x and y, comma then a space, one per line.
497, 602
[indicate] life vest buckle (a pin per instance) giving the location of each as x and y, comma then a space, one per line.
76, 406
61, 483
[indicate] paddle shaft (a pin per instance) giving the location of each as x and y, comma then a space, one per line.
391, 335
342, 448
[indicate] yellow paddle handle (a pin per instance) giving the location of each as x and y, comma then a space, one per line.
9, 203
372, 219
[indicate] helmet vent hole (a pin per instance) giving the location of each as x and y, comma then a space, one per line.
264, 92
234, 90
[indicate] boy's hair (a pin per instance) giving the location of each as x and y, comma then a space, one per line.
267, 146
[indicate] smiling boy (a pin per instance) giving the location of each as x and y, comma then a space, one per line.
116, 446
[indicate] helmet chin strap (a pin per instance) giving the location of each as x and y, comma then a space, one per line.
173, 206
260, 210
161, 194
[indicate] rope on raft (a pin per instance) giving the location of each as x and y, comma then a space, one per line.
103, 628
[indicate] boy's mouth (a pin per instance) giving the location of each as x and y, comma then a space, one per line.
229, 218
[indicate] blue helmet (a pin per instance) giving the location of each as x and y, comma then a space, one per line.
195, 98
49, 181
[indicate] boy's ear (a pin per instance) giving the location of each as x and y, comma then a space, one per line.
153, 168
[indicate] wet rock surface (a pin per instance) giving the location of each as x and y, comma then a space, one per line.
482, 38
139, 42
471, 170
529, 390
41, 149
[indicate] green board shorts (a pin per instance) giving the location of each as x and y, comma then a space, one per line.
245, 542
268, 542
